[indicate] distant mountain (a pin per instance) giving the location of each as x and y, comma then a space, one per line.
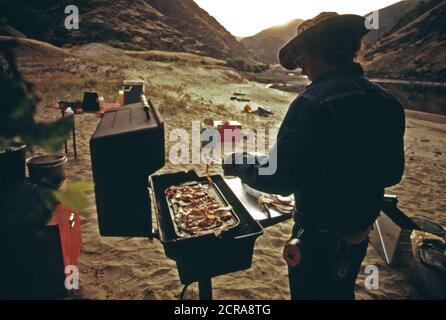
175, 25
410, 42
266, 44
414, 48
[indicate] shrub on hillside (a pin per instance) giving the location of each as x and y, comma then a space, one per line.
242, 65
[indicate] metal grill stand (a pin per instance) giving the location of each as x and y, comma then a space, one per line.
205, 289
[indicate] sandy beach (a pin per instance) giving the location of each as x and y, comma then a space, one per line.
131, 268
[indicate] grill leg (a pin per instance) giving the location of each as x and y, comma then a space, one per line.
62, 112
205, 289
74, 138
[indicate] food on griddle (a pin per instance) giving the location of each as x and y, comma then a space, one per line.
196, 209
281, 204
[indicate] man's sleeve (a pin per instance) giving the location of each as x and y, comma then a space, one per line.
293, 157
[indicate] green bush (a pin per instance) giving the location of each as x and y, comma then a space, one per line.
242, 65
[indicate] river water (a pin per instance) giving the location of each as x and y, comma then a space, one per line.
427, 97
419, 97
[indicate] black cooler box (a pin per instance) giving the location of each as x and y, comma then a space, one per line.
133, 89
126, 148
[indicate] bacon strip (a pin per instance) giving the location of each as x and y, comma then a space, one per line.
196, 210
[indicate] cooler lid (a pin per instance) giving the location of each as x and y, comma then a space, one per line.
133, 82
127, 119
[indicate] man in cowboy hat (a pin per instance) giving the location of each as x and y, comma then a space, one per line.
339, 146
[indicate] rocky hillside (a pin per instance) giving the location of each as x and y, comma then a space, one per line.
388, 18
266, 44
175, 25
415, 48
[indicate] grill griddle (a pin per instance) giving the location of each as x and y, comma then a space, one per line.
215, 192
204, 256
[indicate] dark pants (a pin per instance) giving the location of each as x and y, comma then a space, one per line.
328, 269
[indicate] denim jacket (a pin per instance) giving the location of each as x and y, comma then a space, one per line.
340, 144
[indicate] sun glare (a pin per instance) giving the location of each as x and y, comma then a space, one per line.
247, 17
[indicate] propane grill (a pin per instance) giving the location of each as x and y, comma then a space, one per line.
126, 149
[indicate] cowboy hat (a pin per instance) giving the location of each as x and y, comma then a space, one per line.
323, 27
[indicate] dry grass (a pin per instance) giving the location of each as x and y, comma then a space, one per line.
167, 56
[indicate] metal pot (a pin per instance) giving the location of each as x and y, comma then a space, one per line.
12, 166
48, 170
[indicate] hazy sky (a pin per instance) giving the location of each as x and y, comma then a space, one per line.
247, 17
